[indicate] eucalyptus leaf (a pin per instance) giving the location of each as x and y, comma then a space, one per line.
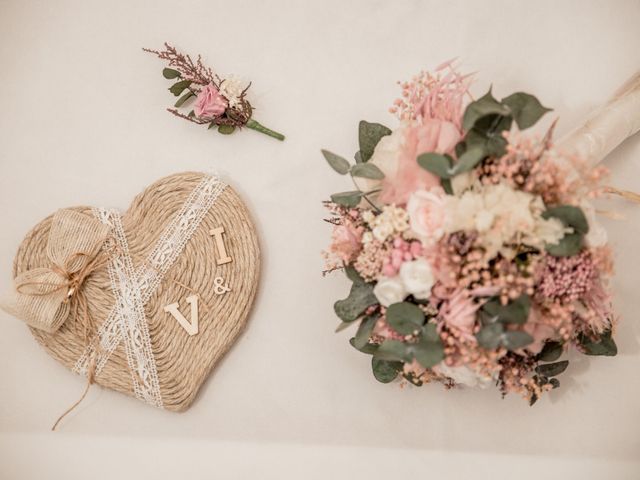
428, 353
365, 329
226, 129
550, 352
369, 348
353, 275
605, 346
358, 157
570, 216
405, 317
347, 199
184, 98
490, 336
515, 339
394, 350
385, 371
436, 163
526, 109
339, 164
367, 170
446, 186
170, 73
360, 297
567, 246
178, 87
484, 106
469, 159
552, 369
516, 311
369, 134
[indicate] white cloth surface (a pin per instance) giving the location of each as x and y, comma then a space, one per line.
82, 123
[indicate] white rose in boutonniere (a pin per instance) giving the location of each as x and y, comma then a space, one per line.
389, 290
417, 277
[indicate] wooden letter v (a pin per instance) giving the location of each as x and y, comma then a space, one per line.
190, 326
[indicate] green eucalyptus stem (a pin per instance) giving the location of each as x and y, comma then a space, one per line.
258, 127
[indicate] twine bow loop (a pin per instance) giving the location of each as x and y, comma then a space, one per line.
42, 296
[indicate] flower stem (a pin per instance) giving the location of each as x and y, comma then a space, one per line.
254, 125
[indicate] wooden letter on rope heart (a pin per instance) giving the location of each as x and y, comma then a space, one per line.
95, 300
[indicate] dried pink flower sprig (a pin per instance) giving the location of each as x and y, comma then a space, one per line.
218, 102
473, 249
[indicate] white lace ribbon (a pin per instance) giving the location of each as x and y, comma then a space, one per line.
133, 289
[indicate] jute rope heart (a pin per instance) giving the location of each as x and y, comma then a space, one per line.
114, 296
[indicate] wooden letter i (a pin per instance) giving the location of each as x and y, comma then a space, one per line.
223, 256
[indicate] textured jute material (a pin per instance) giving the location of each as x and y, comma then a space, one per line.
183, 361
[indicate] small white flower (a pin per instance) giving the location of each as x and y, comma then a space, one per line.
367, 237
382, 231
368, 216
417, 277
389, 290
231, 88
463, 375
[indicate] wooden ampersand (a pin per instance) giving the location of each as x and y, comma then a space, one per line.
219, 287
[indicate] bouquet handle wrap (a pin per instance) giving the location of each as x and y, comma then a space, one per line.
608, 126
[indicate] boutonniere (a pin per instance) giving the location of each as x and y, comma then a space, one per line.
220, 103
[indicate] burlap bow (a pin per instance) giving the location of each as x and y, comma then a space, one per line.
42, 296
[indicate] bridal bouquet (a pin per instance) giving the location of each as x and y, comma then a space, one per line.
472, 246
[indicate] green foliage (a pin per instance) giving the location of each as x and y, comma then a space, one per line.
525, 109
494, 335
485, 119
481, 108
571, 243
552, 369
336, 162
360, 297
369, 348
427, 350
516, 311
184, 98
385, 371
347, 199
605, 345
178, 87
437, 164
405, 317
550, 352
369, 134
170, 73
365, 329
367, 170
226, 129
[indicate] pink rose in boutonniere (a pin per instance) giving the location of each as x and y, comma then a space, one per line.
209, 103
220, 103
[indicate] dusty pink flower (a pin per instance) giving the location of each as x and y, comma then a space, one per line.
539, 330
209, 103
345, 242
430, 135
427, 214
459, 312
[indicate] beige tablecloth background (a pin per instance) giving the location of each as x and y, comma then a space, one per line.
82, 122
